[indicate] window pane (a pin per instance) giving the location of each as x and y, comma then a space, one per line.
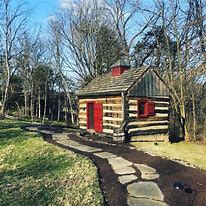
141, 108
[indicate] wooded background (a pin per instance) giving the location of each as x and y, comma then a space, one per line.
41, 71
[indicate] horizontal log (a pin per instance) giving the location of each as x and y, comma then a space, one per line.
151, 118
82, 121
117, 106
111, 125
159, 137
109, 131
133, 108
112, 118
82, 113
82, 127
149, 132
132, 115
161, 108
147, 128
146, 124
111, 111
82, 116
161, 115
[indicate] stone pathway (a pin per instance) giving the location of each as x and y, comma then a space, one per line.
140, 193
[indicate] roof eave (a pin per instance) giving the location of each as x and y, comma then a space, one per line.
100, 94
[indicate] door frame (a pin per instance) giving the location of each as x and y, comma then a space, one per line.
88, 117
87, 114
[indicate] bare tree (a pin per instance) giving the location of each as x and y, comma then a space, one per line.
180, 58
90, 43
29, 58
12, 27
124, 15
59, 63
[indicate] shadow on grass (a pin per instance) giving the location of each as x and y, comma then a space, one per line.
6, 124
33, 183
12, 136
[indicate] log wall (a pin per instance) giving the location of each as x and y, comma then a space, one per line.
112, 112
151, 128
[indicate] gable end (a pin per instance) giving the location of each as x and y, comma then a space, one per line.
149, 85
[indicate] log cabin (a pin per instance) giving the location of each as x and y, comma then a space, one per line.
126, 104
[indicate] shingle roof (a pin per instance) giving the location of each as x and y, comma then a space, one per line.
106, 84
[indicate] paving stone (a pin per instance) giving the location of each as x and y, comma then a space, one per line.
150, 176
126, 178
147, 173
145, 169
79, 146
145, 190
60, 136
46, 131
124, 170
88, 149
105, 155
144, 202
119, 162
32, 129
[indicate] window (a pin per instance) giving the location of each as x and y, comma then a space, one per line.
145, 108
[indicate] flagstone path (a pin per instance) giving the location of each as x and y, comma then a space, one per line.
142, 193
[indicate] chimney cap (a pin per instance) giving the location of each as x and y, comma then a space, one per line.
121, 62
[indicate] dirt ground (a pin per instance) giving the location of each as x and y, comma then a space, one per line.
115, 194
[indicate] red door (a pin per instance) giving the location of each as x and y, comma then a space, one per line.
98, 113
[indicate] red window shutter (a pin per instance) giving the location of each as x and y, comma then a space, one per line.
150, 108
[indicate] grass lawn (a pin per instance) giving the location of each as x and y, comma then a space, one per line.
189, 152
34, 172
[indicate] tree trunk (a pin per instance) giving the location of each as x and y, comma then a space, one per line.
6, 91
32, 101
19, 109
69, 100
39, 104
66, 109
204, 132
194, 116
59, 108
53, 107
45, 104
26, 103
183, 124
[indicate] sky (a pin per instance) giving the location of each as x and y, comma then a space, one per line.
43, 10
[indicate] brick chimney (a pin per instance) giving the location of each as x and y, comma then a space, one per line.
119, 67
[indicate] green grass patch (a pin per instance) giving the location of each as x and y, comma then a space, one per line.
189, 152
34, 172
